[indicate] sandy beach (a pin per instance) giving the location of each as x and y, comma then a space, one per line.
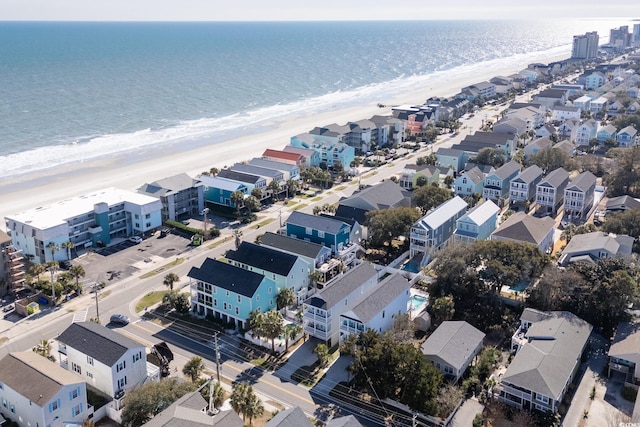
129, 171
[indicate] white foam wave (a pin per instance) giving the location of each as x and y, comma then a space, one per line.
216, 130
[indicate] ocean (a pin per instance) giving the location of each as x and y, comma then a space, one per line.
70, 92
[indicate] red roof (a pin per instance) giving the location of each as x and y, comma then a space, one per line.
283, 155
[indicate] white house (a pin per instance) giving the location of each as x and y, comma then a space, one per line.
586, 132
560, 113
109, 361
583, 103
379, 309
86, 221
36, 392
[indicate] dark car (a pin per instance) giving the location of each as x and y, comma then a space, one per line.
164, 232
8, 308
65, 265
119, 319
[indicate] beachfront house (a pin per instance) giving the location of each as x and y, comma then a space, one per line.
432, 231
290, 158
550, 191
107, 360
522, 188
452, 347
219, 190
268, 173
478, 223
496, 184
591, 247
548, 356
586, 132
36, 392
482, 90
286, 270
289, 170
378, 309
322, 311
524, 228
328, 145
627, 137
311, 156
91, 220
469, 183
250, 181
181, 196
579, 195
229, 293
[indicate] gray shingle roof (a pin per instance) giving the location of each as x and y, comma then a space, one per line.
545, 363
597, 240
227, 276
555, 178
264, 258
34, 377
168, 185
256, 170
525, 228
348, 421
488, 138
97, 341
385, 195
622, 203
291, 244
271, 164
380, 296
507, 169
340, 287
454, 342
626, 342
316, 222
529, 175
292, 417
582, 182
187, 412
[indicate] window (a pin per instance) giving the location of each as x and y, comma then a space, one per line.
215, 302
269, 290
136, 216
227, 293
120, 366
448, 370
89, 374
542, 398
258, 297
148, 224
321, 234
53, 406
76, 368
137, 225
307, 230
137, 357
122, 382
239, 298
237, 310
90, 360
147, 216
215, 289
73, 394
76, 410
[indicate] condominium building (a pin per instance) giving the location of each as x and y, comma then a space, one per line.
585, 46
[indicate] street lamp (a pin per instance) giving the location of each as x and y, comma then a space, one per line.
205, 211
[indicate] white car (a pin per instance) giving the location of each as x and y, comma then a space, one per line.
135, 239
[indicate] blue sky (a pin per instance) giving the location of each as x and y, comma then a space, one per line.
284, 10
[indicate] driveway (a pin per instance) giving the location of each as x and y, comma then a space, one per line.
302, 356
466, 413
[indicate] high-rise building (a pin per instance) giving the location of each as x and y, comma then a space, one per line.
636, 34
585, 46
620, 38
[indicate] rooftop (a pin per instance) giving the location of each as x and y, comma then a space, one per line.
263, 258
291, 244
379, 297
316, 222
228, 277
342, 286
525, 228
172, 184
454, 342
443, 213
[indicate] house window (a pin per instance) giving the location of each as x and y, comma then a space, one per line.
147, 216
237, 310
239, 298
53, 406
148, 224
448, 370
258, 297
224, 305
307, 230
122, 382
89, 374
120, 366
227, 293
269, 290
74, 394
90, 360
215, 302
76, 410
76, 368
542, 398
321, 234
215, 289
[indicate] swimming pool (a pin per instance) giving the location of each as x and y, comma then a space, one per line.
418, 303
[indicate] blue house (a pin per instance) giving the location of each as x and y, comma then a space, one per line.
497, 184
286, 270
330, 232
478, 223
229, 293
328, 144
627, 137
451, 157
469, 183
219, 190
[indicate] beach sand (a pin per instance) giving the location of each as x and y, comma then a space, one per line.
129, 171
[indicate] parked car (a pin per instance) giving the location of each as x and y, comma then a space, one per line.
135, 239
164, 232
119, 319
8, 308
65, 265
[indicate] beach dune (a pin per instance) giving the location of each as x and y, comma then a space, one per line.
130, 170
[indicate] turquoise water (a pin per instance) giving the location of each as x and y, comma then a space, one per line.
76, 91
418, 302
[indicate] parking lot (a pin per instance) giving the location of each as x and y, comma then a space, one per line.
118, 261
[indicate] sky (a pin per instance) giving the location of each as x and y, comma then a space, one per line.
308, 10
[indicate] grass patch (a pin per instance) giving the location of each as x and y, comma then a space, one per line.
264, 222
391, 164
370, 174
159, 270
300, 206
355, 181
219, 242
104, 294
342, 187
152, 298
3, 340
316, 199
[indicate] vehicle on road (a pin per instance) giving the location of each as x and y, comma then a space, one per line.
135, 239
119, 319
66, 264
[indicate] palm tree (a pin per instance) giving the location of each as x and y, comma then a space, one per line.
237, 234
76, 272
255, 322
43, 349
253, 408
237, 197
274, 186
218, 395
257, 193
52, 266
239, 395
193, 368
170, 279
53, 247
68, 245
292, 187
285, 298
322, 351
272, 327
290, 333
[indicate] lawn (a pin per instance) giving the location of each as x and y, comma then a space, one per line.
300, 206
219, 242
150, 299
173, 263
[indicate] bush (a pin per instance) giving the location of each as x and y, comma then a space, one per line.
629, 393
478, 420
213, 232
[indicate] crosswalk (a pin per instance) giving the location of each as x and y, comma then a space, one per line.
80, 315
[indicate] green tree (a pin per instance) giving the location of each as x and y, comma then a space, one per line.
179, 301
237, 198
193, 368
430, 196
291, 333
495, 157
170, 279
218, 395
272, 327
44, 349
68, 246
626, 222
245, 402
52, 267
285, 298
255, 321
274, 186
76, 272
146, 401
322, 352
421, 181
386, 224
292, 187
257, 193
549, 159
443, 308
53, 248
252, 204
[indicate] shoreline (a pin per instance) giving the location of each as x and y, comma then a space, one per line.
131, 170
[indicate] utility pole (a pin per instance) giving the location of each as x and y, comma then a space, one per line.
211, 409
217, 350
205, 211
95, 289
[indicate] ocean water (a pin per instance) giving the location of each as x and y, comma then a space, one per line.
71, 92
